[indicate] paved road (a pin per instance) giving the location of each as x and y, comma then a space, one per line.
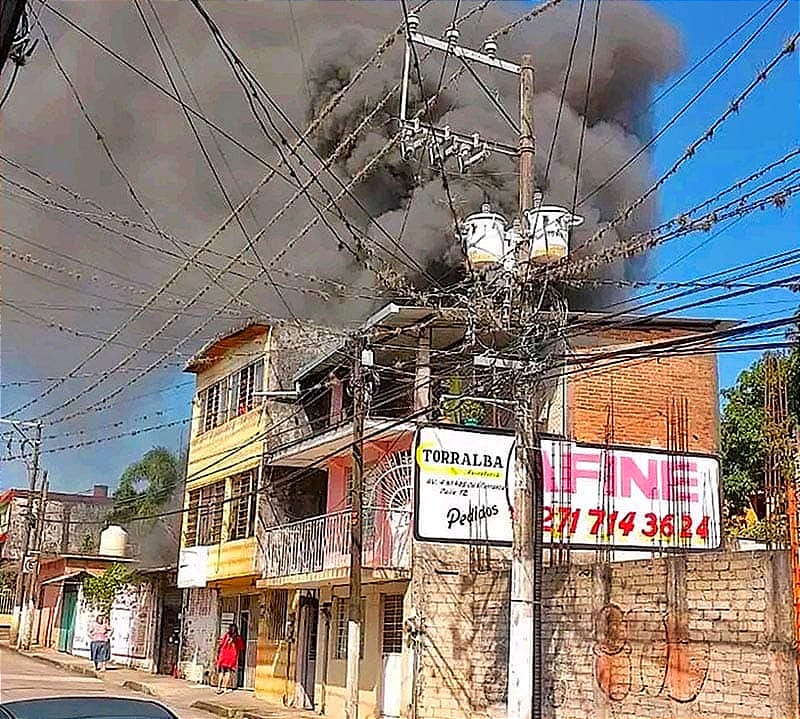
24, 678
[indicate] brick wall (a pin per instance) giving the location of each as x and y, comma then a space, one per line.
699, 635
637, 392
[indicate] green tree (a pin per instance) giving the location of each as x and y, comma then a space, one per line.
743, 435
146, 485
100, 592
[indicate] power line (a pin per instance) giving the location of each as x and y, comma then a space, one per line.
690, 152
686, 106
586, 104
210, 163
564, 86
362, 173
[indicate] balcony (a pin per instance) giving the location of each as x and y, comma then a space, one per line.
317, 549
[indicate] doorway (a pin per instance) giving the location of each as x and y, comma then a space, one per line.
169, 637
391, 655
307, 628
242, 670
69, 611
243, 610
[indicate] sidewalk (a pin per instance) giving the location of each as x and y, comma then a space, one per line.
236, 705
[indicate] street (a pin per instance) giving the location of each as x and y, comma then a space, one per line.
24, 678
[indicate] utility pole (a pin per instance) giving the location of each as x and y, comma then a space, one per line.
506, 254
33, 474
356, 525
32, 579
523, 672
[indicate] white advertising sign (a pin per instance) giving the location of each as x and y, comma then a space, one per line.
192, 567
628, 498
461, 477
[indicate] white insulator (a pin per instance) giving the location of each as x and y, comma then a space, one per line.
490, 47
451, 35
513, 240
413, 22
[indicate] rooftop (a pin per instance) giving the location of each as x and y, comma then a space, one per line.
216, 347
447, 325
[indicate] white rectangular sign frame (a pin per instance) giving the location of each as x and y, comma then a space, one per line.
192, 567
595, 496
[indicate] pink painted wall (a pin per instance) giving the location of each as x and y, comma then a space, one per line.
373, 452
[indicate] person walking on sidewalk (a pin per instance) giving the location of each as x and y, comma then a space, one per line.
230, 646
100, 642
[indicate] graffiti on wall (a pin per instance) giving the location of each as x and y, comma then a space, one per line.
648, 653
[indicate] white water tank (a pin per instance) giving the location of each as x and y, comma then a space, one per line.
549, 227
484, 238
114, 542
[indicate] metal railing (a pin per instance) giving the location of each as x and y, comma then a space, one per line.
322, 543
6, 601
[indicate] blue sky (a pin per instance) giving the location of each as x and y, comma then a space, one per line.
765, 129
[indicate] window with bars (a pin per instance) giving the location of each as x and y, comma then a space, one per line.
392, 624
277, 607
214, 405
243, 505
342, 612
244, 385
204, 515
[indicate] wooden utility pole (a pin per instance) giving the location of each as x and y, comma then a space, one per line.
523, 674
527, 142
356, 521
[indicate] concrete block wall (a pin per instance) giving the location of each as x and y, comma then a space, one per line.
461, 598
702, 635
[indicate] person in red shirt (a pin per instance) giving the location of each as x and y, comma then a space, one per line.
228, 658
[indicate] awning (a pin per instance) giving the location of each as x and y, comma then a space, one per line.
69, 575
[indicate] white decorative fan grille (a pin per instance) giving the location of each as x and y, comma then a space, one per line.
388, 482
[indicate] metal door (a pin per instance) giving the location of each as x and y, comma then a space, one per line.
242, 672
391, 654
69, 611
307, 651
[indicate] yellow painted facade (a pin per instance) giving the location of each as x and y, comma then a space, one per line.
274, 685
232, 447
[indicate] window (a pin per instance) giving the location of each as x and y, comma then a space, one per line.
244, 385
204, 517
243, 505
277, 606
342, 612
392, 633
214, 405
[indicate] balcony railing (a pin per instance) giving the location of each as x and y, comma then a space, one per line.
322, 543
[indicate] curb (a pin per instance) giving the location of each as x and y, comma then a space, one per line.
229, 712
74, 668
139, 687
217, 709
